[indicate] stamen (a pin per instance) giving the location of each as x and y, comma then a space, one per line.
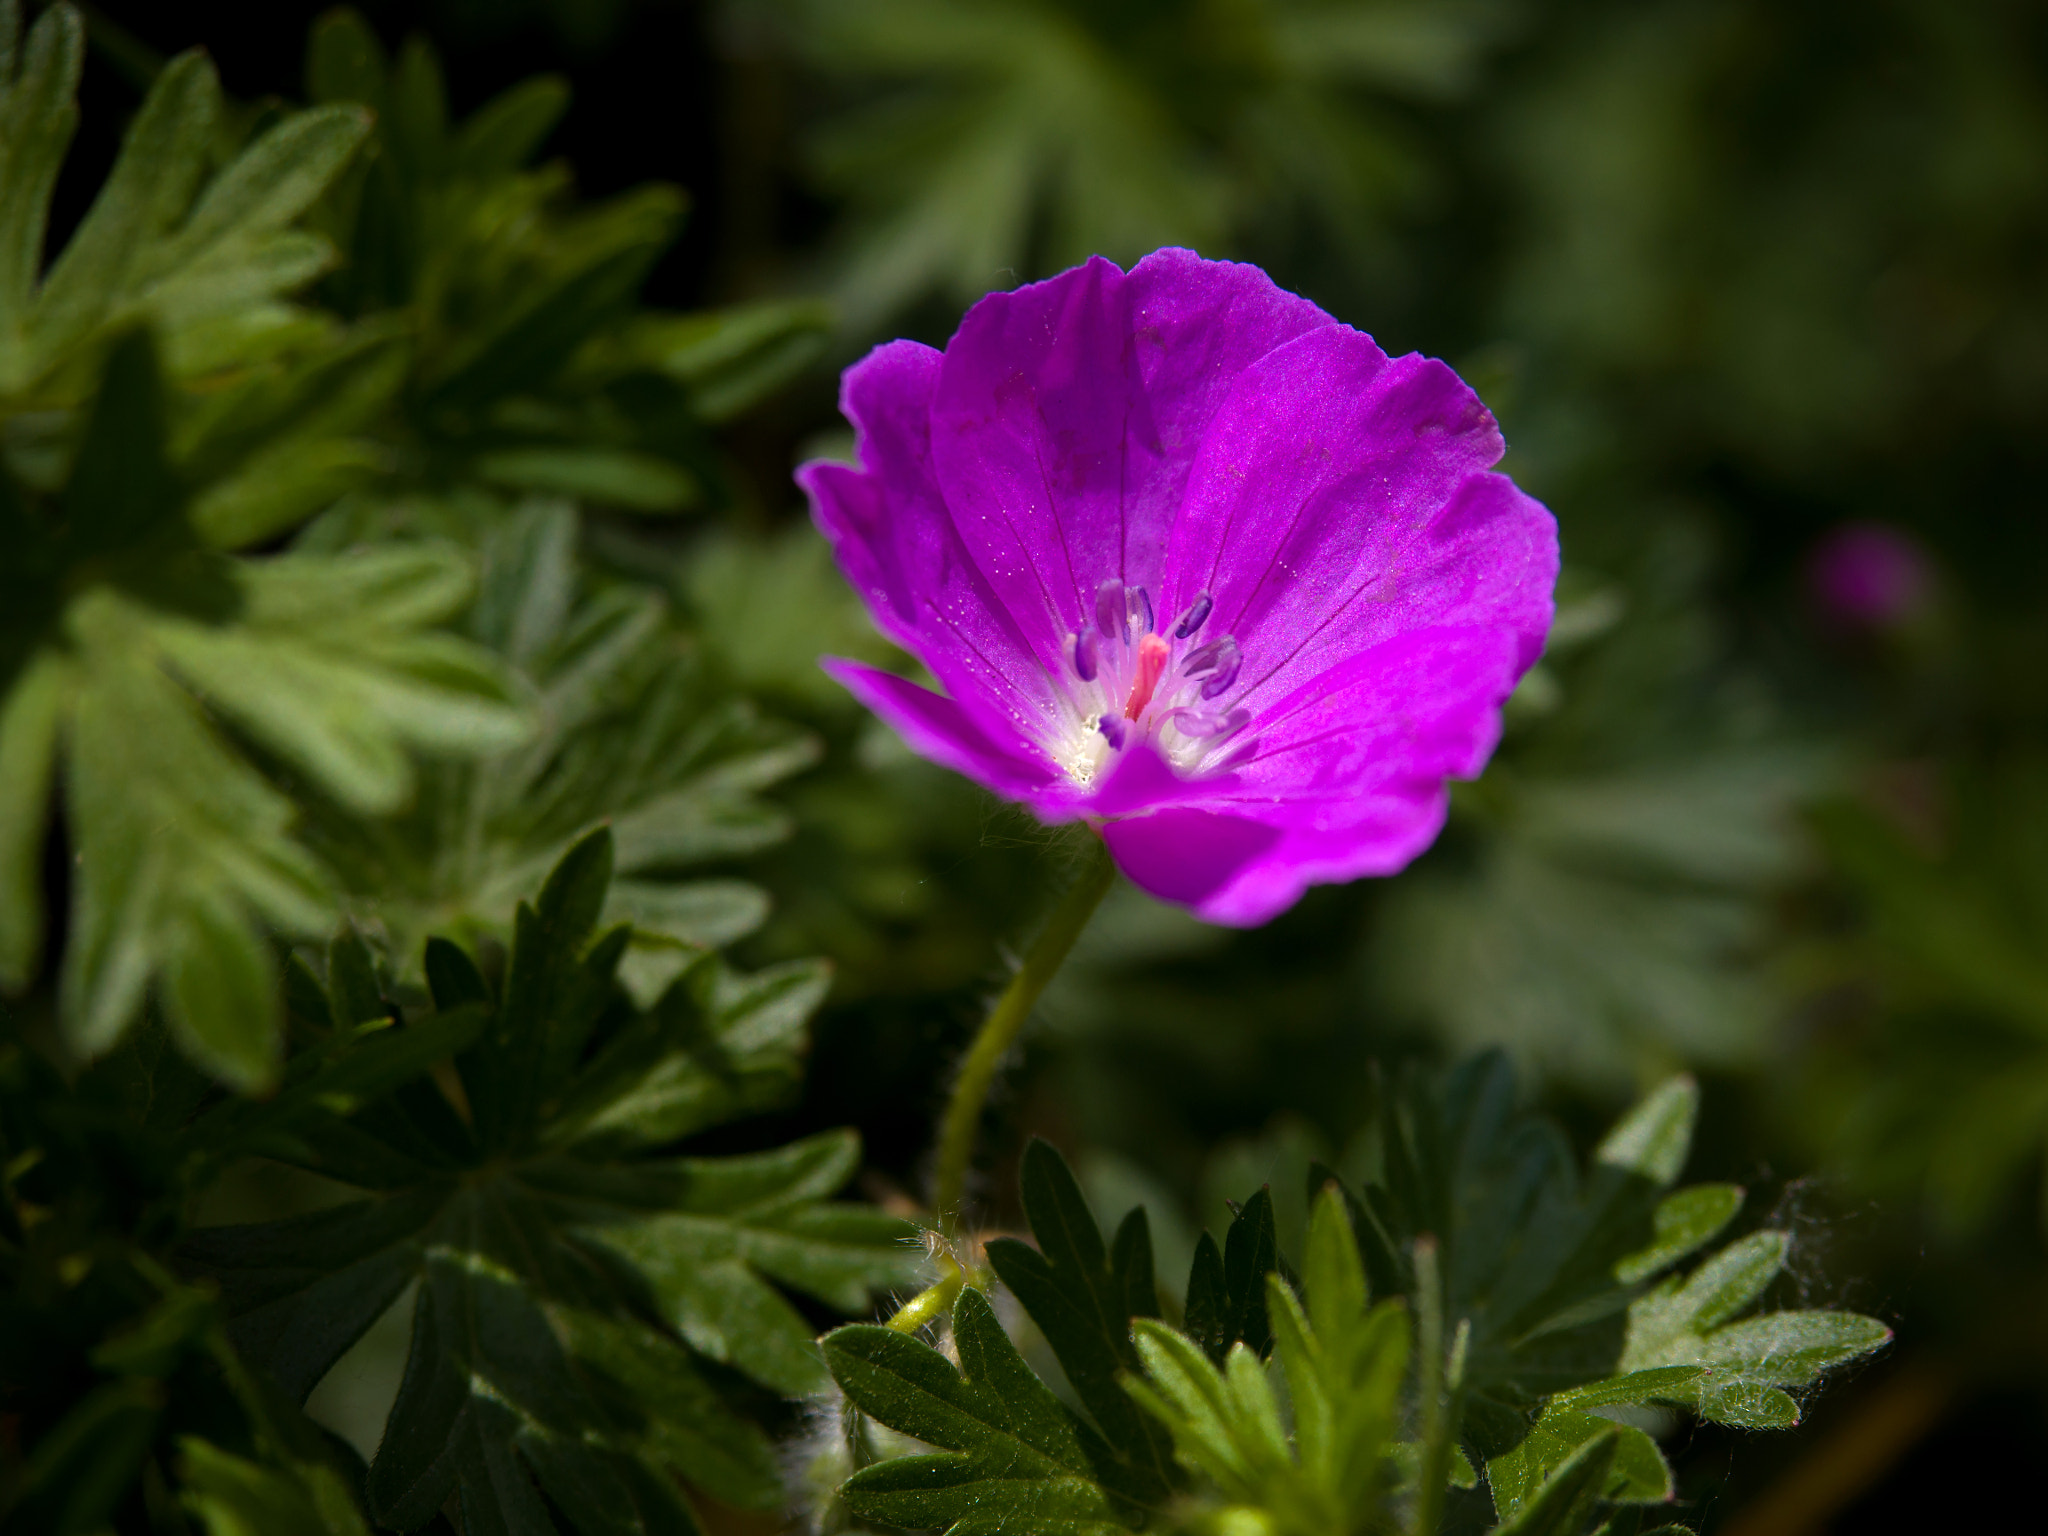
1223, 671
1084, 656
1225, 676
1191, 621
1152, 654
1141, 609
1113, 731
1111, 616
1208, 725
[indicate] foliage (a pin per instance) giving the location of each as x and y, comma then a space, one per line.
126, 475
1562, 1287
589, 1309
633, 729
375, 524
531, 366
1027, 136
1931, 1077
569, 1286
1606, 906
132, 644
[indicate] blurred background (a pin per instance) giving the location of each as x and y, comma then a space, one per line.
1759, 291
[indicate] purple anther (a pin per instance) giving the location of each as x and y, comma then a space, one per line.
1209, 724
1084, 656
1110, 616
1192, 620
1223, 672
1114, 731
1141, 609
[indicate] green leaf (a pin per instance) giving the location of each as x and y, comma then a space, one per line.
162, 158
743, 1221
616, 477
1564, 1504
526, 349
206, 259
575, 1298
233, 1497
344, 60
1015, 1458
1596, 925
731, 358
1344, 1373
633, 729
1691, 1321
188, 855
1638, 1472
29, 716
1226, 1300
37, 118
1553, 1274
1683, 1223
510, 127
1028, 137
1084, 1303
220, 988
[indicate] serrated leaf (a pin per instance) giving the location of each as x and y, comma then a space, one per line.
1563, 1505
1683, 1223
1687, 1320
1548, 1270
632, 729
541, 1256
740, 1219
1344, 1377
1637, 1474
1083, 1303
1019, 1460
1226, 1300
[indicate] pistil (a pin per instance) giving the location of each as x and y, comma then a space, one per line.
1152, 654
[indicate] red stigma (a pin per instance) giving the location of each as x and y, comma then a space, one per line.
1151, 665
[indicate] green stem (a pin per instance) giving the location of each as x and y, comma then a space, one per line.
929, 1303
1441, 1408
1005, 1021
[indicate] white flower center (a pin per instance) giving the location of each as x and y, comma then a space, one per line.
1125, 682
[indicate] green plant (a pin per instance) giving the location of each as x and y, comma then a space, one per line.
1538, 1301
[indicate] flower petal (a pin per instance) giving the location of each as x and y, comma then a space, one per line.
1191, 857
937, 728
1423, 706
1346, 777
891, 533
1068, 412
1341, 498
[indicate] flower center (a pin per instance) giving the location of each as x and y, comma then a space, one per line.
1126, 681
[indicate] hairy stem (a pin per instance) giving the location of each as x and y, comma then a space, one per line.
1440, 1391
1005, 1021
931, 1302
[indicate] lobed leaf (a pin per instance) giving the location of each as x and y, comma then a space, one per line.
1018, 1460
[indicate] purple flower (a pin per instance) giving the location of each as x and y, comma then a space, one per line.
1868, 576
1196, 563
